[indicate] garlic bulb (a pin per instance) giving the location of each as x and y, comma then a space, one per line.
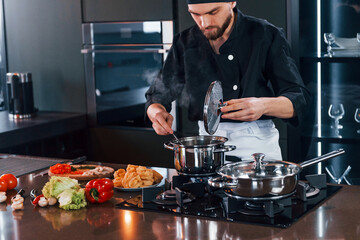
43, 202
3, 197
17, 202
52, 201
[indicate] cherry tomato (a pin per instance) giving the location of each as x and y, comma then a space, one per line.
3, 185
10, 180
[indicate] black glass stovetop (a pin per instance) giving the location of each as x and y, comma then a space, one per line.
211, 206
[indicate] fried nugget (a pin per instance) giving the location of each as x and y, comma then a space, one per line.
127, 177
118, 182
146, 183
136, 177
157, 176
145, 173
131, 168
119, 173
135, 182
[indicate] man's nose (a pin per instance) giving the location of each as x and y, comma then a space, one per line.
204, 21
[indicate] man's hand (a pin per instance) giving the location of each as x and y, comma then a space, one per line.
251, 109
160, 118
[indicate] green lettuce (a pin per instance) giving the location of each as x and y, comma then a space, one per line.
57, 185
67, 191
72, 199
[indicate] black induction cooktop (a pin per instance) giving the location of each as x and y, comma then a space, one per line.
217, 205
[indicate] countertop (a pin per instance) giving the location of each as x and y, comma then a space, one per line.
44, 125
336, 218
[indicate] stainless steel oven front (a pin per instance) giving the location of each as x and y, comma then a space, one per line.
121, 60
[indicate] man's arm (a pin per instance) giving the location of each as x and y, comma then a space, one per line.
160, 118
251, 109
286, 80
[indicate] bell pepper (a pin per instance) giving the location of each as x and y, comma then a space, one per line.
99, 190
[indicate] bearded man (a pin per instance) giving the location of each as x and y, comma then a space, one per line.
251, 59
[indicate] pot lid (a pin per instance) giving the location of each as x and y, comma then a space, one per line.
200, 141
259, 169
212, 105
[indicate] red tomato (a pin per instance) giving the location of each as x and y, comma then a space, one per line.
10, 180
60, 168
3, 185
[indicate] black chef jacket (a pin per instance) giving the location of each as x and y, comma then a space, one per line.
254, 62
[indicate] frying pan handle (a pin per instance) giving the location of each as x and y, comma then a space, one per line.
221, 182
322, 158
226, 148
169, 145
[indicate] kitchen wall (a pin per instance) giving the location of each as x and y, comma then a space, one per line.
3, 93
44, 37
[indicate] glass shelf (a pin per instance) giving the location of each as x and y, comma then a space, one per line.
338, 56
347, 133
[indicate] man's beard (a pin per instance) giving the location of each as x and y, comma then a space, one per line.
219, 30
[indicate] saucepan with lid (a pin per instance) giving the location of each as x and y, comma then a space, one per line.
202, 155
199, 155
258, 178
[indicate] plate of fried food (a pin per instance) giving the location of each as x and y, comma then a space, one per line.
135, 178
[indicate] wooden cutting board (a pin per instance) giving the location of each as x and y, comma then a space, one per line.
107, 172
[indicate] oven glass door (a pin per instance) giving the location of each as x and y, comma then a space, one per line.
121, 61
122, 77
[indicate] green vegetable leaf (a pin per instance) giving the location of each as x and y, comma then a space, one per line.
72, 199
67, 191
57, 185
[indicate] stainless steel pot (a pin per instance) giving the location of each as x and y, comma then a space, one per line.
262, 179
199, 155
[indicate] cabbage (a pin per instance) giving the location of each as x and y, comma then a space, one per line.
57, 185
67, 191
72, 199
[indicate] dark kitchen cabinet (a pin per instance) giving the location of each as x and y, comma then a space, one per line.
333, 80
130, 146
67, 146
123, 10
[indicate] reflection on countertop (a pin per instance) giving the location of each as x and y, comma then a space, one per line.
336, 218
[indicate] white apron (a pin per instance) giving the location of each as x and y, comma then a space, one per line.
259, 136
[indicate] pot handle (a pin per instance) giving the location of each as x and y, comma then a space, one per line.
322, 158
221, 182
169, 145
226, 148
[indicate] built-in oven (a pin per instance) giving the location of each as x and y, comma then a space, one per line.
121, 60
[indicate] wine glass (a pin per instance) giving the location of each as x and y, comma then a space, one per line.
357, 117
337, 112
329, 39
